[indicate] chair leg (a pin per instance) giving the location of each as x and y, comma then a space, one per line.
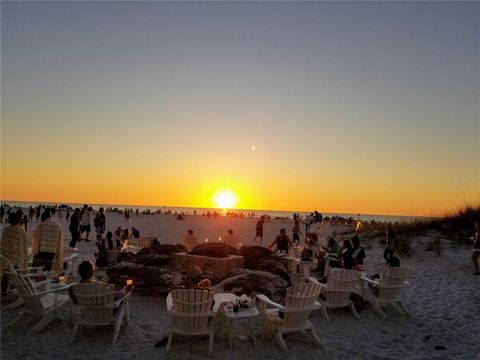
280, 341
376, 307
44, 321
314, 336
127, 312
118, 325
210, 344
14, 304
74, 334
16, 319
353, 310
324, 310
403, 308
169, 343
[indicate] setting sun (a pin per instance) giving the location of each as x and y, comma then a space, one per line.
225, 199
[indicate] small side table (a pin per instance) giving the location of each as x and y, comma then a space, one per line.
242, 314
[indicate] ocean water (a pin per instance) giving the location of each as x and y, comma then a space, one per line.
245, 212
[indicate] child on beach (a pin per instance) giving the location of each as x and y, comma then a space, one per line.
259, 229
391, 237
296, 232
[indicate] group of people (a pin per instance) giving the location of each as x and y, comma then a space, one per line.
47, 245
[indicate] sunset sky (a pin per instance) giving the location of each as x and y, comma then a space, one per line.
352, 107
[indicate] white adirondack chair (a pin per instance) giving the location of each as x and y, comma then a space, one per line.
145, 241
300, 300
340, 285
391, 283
96, 306
37, 303
112, 255
12, 292
191, 314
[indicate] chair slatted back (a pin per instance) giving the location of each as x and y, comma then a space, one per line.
299, 302
392, 282
26, 290
341, 283
145, 241
192, 309
96, 303
112, 255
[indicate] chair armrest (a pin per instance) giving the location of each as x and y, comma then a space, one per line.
265, 299
62, 288
71, 257
31, 268
169, 301
313, 280
370, 281
117, 303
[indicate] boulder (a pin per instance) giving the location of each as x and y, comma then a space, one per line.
260, 258
215, 249
251, 282
159, 249
146, 279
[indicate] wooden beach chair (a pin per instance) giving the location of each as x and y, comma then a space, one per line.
300, 300
96, 306
388, 288
145, 241
112, 255
191, 314
38, 303
336, 293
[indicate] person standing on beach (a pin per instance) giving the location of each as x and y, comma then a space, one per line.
296, 232
476, 247
391, 237
37, 213
99, 223
75, 227
85, 221
259, 229
47, 244
14, 247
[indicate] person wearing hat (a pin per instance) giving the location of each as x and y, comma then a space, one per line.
195, 280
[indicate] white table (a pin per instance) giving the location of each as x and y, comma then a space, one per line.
305, 265
242, 313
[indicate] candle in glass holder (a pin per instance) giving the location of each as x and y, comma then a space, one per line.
129, 282
206, 240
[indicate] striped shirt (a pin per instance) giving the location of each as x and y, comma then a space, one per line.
14, 247
48, 237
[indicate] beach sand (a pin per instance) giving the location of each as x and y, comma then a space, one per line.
443, 298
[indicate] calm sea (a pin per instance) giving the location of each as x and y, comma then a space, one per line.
246, 212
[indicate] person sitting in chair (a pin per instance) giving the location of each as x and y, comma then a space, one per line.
86, 270
195, 280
